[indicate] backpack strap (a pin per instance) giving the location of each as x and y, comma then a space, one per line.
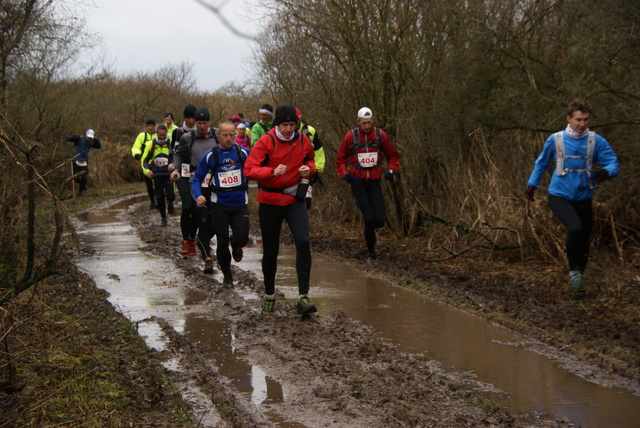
561, 155
376, 144
216, 163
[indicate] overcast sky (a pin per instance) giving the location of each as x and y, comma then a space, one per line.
145, 35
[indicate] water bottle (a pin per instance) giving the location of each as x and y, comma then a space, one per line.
301, 193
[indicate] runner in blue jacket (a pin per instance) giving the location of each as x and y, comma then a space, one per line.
222, 170
576, 150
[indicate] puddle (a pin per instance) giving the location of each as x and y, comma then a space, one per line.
141, 286
530, 382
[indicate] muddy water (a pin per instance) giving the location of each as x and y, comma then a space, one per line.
142, 286
528, 381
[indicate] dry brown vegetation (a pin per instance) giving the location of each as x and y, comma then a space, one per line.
468, 90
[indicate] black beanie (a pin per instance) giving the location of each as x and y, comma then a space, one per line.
285, 113
189, 111
202, 114
150, 121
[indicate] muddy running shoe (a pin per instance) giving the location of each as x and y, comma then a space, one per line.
185, 247
152, 205
228, 278
576, 285
208, 265
268, 304
237, 254
163, 222
171, 209
192, 247
304, 306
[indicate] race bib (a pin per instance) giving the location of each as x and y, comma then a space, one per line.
309, 192
206, 181
81, 163
230, 178
186, 170
161, 161
368, 160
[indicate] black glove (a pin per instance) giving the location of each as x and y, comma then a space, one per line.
316, 177
137, 157
389, 175
529, 193
348, 177
600, 176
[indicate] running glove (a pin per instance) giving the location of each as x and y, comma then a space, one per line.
348, 177
389, 175
600, 176
529, 193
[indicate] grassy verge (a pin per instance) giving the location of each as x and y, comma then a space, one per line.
75, 361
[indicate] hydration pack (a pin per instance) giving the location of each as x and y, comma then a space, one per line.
357, 145
560, 156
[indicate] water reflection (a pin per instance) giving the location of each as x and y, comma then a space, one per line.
531, 382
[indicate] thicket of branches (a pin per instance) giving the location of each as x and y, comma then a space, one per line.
469, 91
47, 93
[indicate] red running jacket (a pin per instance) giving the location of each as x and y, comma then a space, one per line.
270, 152
346, 158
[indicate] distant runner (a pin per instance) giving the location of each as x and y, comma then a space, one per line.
358, 162
81, 146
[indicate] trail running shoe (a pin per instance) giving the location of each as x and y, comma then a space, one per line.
237, 254
304, 306
268, 304
228, 278
171, 209
192, 247
208, 266
185, 247
163, 222
576, 285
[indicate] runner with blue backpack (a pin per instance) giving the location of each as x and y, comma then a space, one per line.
221, 169
575, 150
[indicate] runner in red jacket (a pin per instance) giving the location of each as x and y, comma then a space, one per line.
282, 163
358, 162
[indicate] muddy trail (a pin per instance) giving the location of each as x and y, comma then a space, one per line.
238, 367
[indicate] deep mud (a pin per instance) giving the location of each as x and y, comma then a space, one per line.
338, 372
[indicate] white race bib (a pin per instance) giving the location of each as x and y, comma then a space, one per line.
161, 161
230, 178
186, 170
309, 192
368, 160
81, 163
206, 181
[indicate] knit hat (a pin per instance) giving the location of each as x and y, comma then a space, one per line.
241, 126
89, 133
266, 109
189, 111
150, 121
202, 115
365, 113
285, 113
169, 115
235, 118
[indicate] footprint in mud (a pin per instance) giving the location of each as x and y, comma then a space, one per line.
113, 276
